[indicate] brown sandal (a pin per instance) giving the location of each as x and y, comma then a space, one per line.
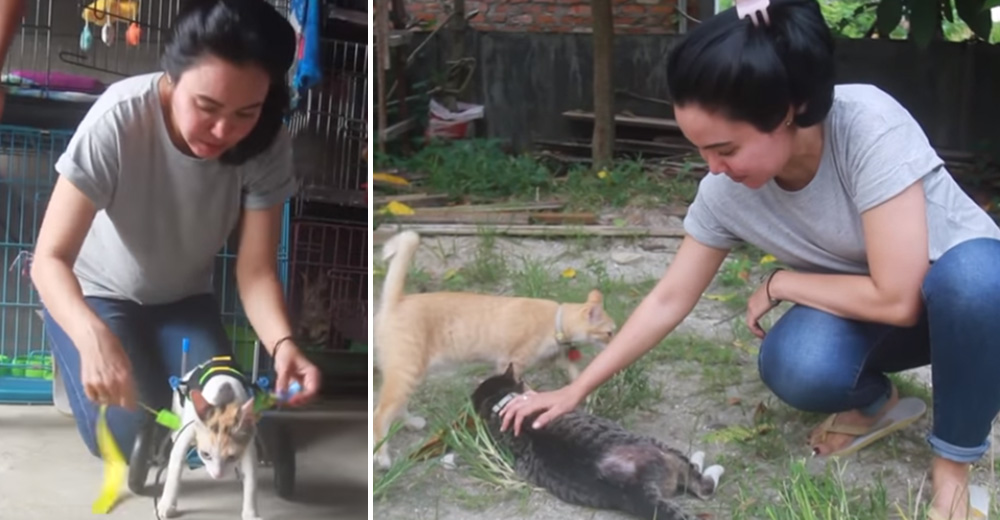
903, 414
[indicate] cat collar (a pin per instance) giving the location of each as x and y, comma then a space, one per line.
560, 335
503, 402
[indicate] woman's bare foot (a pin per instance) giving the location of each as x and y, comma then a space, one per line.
950, 483
825, 443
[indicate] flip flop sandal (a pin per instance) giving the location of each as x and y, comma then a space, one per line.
905, 413
979, 505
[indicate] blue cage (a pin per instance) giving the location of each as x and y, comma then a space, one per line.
27, 175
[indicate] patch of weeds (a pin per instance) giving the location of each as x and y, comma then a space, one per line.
488, 267
534, 280
418, 280
628, 182
478, 168
383, 480
627, 392
805, 496
910, 386
721, 365
486, 460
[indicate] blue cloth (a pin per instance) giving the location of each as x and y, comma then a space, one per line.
818, 362
305, 18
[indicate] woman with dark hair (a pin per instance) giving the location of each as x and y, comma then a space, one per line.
892, 265
160, 172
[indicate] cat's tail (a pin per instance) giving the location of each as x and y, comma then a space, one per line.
399, 251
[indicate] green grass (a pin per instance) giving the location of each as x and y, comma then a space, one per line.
481, 169
756, 443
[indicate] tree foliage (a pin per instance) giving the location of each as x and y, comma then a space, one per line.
917, 20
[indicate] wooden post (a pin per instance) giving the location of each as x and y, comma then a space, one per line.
604, 122
456, 50
382, 52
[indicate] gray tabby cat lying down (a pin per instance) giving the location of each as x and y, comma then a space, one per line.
590, 461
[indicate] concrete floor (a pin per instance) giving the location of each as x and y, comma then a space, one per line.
47, 473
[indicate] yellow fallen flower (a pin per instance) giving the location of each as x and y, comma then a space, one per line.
390, 179
396, 208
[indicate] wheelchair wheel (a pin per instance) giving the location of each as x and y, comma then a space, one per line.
141, 457
280, 451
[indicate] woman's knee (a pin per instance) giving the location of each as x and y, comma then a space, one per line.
804, 360
965, 280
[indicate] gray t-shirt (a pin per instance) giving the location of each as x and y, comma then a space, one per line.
163, 216
873, 149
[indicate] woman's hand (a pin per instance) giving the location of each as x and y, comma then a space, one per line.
556, 402
758, 305
106, 372
291, 365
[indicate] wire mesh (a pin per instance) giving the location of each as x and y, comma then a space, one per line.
27, 175
330, 127
27, 157
328, 285
51, 41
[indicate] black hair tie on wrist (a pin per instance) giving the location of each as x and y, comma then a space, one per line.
277, 345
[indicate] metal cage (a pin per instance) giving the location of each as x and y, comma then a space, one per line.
27, 175
330, 128
328, 285
27, 157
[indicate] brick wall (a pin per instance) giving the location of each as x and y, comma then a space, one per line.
631, 16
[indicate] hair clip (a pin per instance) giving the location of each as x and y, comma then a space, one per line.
750, 9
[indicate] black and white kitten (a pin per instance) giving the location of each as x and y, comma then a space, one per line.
590, 461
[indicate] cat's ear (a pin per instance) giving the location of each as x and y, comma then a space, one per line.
201, 406
248, 417
510, 371
595, 296
595, 313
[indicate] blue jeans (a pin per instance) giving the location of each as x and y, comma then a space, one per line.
151, 336
817, 362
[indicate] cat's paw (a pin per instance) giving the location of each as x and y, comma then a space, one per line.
251, 515
166, 511
415, 423
714, 472
382, 458
698, 459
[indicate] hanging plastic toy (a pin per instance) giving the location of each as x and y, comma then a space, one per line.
108, 34
86, 39
133, 34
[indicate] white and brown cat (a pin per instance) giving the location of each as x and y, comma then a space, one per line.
219, 419
417, 331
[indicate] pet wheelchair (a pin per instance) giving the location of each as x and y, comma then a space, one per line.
153, 441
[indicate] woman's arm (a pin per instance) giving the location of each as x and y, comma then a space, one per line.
659, 313
264, 302
64, 227
897, 244
257, 275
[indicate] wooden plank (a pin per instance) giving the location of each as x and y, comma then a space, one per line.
639, 121
347, 15
413, 200
538, 230
462, 218
562, 218
396, 130
500, 207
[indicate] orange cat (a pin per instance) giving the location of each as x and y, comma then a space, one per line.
417, 331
